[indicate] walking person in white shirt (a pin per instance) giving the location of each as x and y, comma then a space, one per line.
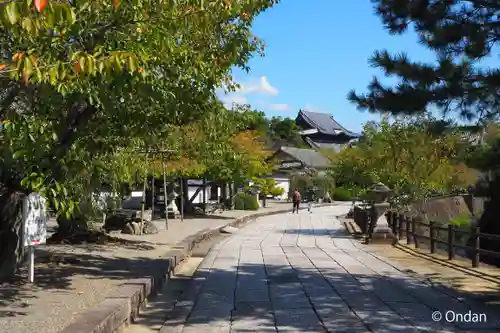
310, 199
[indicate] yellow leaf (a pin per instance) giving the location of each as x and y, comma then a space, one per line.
12, 12
82, 64
27, 70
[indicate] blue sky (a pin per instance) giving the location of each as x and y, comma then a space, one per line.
316, 52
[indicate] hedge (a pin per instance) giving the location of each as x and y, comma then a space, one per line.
245, 201
341, 194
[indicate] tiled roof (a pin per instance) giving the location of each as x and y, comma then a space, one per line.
309, 157
325, 145
325, 123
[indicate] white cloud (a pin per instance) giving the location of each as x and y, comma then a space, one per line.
262, 86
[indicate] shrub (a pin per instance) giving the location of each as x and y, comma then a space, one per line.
342, 194
277, 191
251, 203
239, 204
461, 221
244, 201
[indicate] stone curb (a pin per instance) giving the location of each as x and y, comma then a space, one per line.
123, 305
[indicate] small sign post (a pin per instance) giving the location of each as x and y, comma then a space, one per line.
35, 228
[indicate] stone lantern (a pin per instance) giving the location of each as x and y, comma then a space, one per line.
381, 232
171, 197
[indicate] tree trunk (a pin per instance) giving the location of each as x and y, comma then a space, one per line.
224, 191
188, 204
11, 224
230, 201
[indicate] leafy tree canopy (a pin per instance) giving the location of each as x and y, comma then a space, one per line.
285, 129
218, 147
461, 33
87, 79
406, 156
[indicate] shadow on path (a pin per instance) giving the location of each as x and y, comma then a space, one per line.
316, 232
56, 269
206, 217
320, 301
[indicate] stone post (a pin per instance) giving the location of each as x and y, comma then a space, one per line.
381, 233
170, 201
255, 191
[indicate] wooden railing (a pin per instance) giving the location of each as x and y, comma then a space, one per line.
406, 227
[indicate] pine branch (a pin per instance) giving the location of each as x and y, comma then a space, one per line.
460, 33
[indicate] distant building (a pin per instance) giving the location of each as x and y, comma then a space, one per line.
322, 131
290, 160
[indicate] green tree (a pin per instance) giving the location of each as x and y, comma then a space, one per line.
300, 182
324, 184
406, 156
85, 79
285, 129
462, 34
218, 147
268, 186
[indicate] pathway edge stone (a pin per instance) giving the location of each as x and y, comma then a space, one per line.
123, 305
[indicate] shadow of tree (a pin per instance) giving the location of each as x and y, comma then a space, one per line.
56, 268
260, 299
208, 217
316, 232
266, 298
13, 295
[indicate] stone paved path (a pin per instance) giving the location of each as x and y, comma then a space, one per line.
70, 279
302, 273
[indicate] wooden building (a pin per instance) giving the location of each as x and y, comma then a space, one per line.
322, 131
291, 160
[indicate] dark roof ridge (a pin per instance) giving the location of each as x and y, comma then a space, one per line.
318, 126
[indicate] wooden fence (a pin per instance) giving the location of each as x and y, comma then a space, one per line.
406, 227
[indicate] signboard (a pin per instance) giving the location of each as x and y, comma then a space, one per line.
136, 194
290, 165
35, 220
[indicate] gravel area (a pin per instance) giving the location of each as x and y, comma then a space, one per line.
72, 278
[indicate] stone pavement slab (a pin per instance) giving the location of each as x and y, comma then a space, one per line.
302, 273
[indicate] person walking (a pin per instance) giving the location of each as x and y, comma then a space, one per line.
310, 199
296, 200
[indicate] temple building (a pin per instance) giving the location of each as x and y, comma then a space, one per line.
319, 131
291, 160
322, 131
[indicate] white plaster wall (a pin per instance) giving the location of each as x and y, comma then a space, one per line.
199, 197
284, 183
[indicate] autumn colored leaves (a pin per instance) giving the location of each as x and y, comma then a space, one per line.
40, 5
